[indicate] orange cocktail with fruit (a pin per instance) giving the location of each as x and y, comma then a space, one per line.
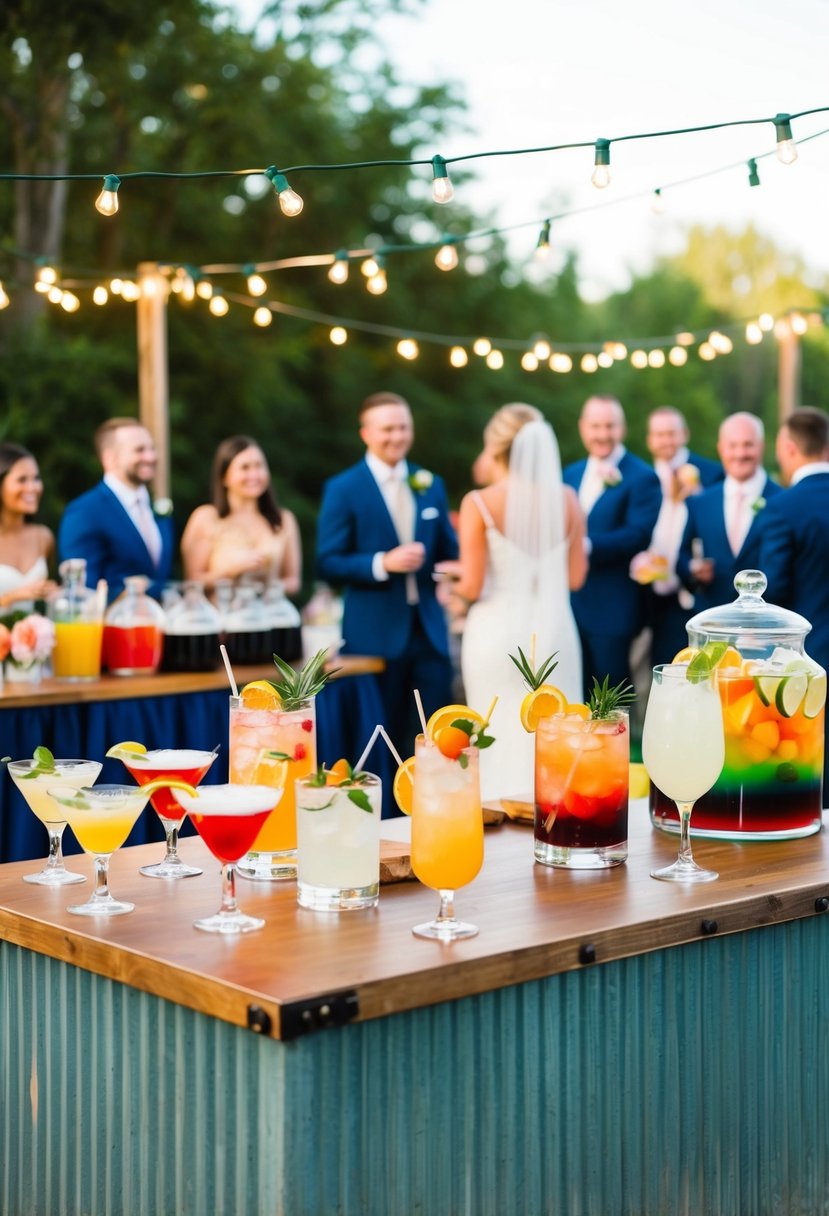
273, 722
582, 765
773, 717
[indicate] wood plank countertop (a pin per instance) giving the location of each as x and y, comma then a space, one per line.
120, 688
534, 922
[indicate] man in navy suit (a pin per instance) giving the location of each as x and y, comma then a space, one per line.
620, 495
682, 474
113, 525
383, 525
726, 522
794, 549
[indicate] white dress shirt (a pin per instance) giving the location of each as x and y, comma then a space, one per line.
739, 505
670, 523
393, 483
593, 483
136, 503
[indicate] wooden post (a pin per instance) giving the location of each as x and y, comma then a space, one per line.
788, 370
153, 396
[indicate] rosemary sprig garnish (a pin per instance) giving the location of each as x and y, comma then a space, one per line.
605, 701
297, 686
534, 678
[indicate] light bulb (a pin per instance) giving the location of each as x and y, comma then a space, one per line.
754, 333
4, 298
218, 305
69, 302
677, 356
765, 321
188, 288
619, 350
338, 271
559, 362
601, 171
542, 349
786, 147
107, 200
482, 346
54, 295
261, 316
458, 356
442, 189
707, 352
656, 358
256, 284
798, 323
639, 359
130, 291
604, 359
589, 363
369, 268
446, 257
657, 202
47, 275
338, 335
377, 284
542, 245
721, 343
100, 295
290, 203
115, 286
753, 175
495, 360
685, 339
407, 348
204, 289
529, 361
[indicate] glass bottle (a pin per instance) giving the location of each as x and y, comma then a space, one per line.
191, 641
78, 614
134, 631
286, 625
247, 628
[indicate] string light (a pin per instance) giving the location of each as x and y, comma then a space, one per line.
218, 305
765, 321
338, 335
541, 348
685, 339
721, 343
542, 245
262, 316
604, 359
559, 362
707, 352
47, 276
656, 358
754, 333
786, 147
442, 189
69, 302
446, 257
407, 348
495, 360
657, 202
618, 350
54, 295
678, 356
639, 359
377, 284
107, 201
589, 363
4, 298
338, 272
753, 175
369, 267
100, 295
204, 289
256, 284
601, 171
458, 357
482, 346
798, 323
130, 291
529, 361
290, 203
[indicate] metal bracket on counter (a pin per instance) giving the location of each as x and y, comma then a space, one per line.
320, 1013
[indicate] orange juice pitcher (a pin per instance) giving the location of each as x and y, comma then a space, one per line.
78, 614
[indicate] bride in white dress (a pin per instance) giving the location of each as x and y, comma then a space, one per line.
25, 547
521, 552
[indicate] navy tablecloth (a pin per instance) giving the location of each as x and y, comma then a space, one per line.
347, 711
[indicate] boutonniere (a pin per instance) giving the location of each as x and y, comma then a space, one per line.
420, 480
163, 506
758, 505
610, 475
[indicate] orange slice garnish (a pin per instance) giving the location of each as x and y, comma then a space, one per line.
541, 702
403, 788
260, 694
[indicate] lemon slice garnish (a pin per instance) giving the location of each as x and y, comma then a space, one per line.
127, 751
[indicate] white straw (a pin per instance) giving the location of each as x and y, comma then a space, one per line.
420, 712
390, 745
358, 766
229, 670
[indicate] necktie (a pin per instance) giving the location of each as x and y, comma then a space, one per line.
592, 486
402, 509
146, 525
736, 524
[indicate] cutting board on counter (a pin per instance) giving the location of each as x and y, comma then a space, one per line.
395, 861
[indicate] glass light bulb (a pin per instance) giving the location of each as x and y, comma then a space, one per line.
204, 289
256, 285
47, 274
289, 202
338, 335
54, 294
604, 359
130, 291
589, 363
369, 268
754, 333
639, 359
678, 356
656, 358
619, 350
377, 284
107, 202
70, 302
4, 299
261, 316
482, 346
542, 349
685, 339
218, 306
529, 361
458, 356
442, 190
601, 177
407, 348
766, 321
495, 360
559, 362
100, 295
446, 257
786, 151
798, 323
115, 286
338, 271
707, 352
188, 288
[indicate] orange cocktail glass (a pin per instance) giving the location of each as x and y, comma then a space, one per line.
260, 741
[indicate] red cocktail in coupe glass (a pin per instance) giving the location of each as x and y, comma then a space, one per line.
228, 818
184, 764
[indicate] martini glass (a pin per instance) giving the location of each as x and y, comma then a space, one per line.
34, 784
184, 764
683, 749
228, 818
102, 818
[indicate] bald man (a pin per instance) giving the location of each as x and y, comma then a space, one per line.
725, 524
620, 496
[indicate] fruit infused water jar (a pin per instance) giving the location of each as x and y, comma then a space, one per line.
338, 839
773, 706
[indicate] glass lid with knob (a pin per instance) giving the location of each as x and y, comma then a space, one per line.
754, 628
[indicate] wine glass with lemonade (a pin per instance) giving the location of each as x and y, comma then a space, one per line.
184, 764
102, 818
34, 778
228, 818
683, 749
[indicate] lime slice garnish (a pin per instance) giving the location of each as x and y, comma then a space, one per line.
815, 698
790, 693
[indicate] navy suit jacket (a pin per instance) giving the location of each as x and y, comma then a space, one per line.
794, 556
354, 524
98, 528
620, 525
706, 521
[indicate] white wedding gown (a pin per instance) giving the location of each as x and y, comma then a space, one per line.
512, 608
11, 577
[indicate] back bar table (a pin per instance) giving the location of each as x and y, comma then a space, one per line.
607, 1045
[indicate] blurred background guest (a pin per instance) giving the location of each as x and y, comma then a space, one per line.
243, 530
26, 548
521, 553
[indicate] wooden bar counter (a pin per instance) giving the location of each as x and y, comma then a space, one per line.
606, 1044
